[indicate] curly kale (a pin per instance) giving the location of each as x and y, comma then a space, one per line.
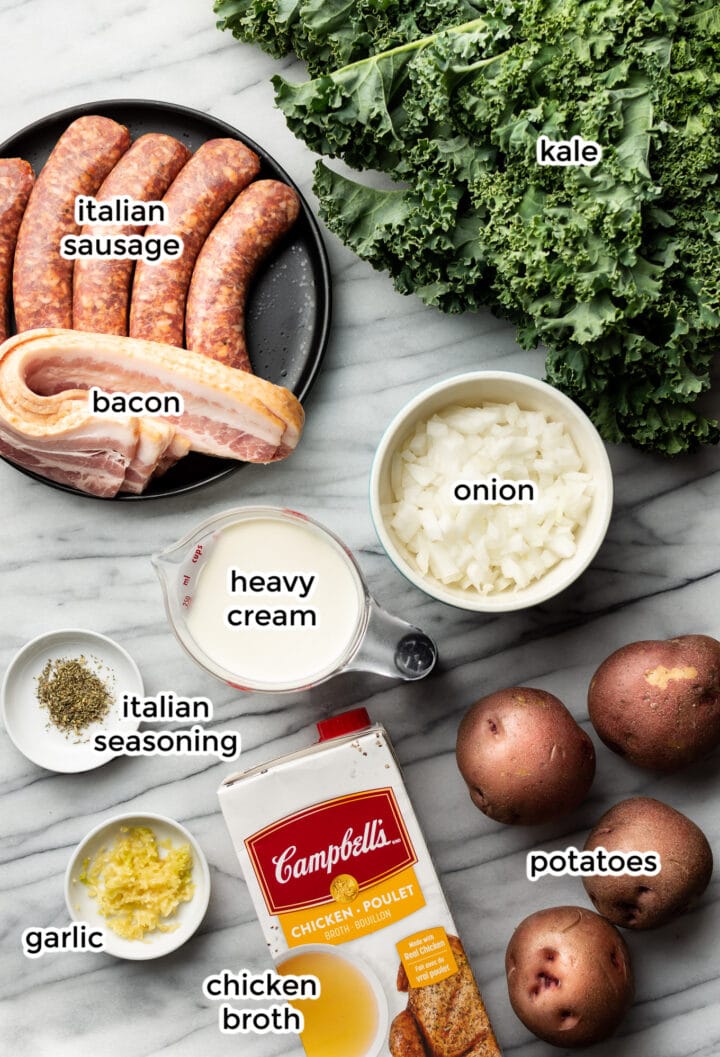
615, 268
330, 33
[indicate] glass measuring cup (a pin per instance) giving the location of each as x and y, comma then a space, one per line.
368, 638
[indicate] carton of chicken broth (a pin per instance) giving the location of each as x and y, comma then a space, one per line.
345, 890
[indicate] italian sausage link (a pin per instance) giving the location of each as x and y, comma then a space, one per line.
213, 177
16, 181
42, 279
101, 288
241, 239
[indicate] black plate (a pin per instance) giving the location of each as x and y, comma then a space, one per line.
288, 312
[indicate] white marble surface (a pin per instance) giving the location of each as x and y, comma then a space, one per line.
66, 561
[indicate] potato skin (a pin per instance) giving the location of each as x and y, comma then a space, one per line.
523, 756
658, 703
686, 864
569, 976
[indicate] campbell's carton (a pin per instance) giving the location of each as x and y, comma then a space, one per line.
345, 890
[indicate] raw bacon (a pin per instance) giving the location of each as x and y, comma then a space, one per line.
154, 439
46, 424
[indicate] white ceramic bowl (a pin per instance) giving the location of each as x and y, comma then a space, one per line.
378, 1044
188, 916
28, 723
470, 390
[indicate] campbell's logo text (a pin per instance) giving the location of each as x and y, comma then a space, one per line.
290, 865
296, 858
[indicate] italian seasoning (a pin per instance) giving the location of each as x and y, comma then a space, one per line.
74, 695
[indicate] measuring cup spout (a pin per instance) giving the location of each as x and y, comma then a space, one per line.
162, 563
166, 564
394, 648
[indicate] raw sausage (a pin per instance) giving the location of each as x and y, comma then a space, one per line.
42, 279
242, 238
213, 177
101, 288
16, 181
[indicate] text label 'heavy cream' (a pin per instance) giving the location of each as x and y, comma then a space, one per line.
241, 582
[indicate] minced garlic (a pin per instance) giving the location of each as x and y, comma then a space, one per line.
135, 888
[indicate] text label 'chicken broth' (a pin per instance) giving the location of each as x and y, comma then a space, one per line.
275, 595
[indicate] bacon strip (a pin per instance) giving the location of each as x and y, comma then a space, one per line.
46, 426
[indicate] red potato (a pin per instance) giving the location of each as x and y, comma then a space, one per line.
686, 864
657, 703
523, 756
569, 976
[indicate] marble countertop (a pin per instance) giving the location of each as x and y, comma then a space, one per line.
71, 562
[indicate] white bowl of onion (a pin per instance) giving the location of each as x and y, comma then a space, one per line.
491, 491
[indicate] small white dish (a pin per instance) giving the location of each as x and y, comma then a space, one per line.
28, 723
188, 916
471, 390
378, 1045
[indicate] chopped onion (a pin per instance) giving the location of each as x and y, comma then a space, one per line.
487, 547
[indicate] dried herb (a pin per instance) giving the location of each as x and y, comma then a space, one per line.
74, 695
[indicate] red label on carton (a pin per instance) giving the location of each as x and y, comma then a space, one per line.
296, 859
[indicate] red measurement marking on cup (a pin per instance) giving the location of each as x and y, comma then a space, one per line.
198, 553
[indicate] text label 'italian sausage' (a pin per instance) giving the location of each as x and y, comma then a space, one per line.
78, 937
575, 151
494, 491
102, 403
244, 582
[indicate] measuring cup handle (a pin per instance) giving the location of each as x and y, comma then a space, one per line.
394, 648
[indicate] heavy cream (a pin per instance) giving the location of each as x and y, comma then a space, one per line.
275, 601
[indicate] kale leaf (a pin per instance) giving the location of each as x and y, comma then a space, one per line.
615, 269
330, 33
